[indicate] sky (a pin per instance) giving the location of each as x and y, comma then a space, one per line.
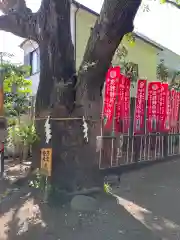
159, 24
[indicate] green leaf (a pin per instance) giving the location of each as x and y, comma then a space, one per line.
130, 38
16, 99
105, 120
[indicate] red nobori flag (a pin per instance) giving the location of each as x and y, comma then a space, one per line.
153, 111
139, 115
177, 107
120, 104
111, 85
126, 113
168, 112
163, 106
173, 108
177, 114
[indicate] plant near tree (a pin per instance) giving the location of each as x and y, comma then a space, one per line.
27, 134
175, 82
163, 74
17, 92
162, 71
17, 89
22, 137
128, 68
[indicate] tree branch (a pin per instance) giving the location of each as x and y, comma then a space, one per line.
115, 20
20, 24
19, 19
9, 5
173, 4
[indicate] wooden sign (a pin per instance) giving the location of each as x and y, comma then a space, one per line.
46, 161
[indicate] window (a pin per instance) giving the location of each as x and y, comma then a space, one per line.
32, 59
35, 61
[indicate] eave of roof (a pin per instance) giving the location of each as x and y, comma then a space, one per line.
23, 42
79, 5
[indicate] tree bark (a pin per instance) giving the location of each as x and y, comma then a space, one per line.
55, 97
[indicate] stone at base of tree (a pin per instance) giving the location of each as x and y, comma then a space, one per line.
84, 203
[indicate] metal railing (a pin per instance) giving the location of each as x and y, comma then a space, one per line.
125, 149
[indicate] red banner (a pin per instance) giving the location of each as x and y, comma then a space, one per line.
123, 105
139, 115
173, 108
153, 111
176, 110
168, 112
177, 114
163, 106
126, 114
111, 86
119, 103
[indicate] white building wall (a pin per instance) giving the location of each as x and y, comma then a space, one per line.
28, 47
171, 60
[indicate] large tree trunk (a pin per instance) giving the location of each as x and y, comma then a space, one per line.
75, 163
73, 166
73, 160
